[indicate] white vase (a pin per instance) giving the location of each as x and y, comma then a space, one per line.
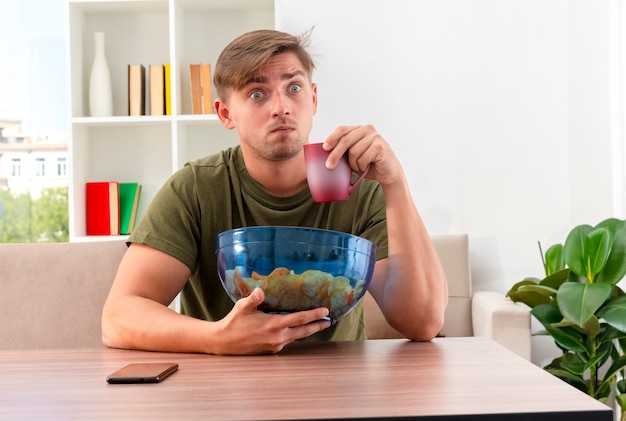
100, 92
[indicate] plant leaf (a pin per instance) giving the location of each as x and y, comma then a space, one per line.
574, 368
609, 350
578, 302
587, 250
570, 378
531, 298
610, 334
555, 259
617, 292
580, 368
614, 313
617, 365
597, 248
615, 268
547, 314
574, 249
539, 289
567, 338
556, 279
525, 281
595, 360
591, 328
621, 401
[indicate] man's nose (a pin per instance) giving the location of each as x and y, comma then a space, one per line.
280, 105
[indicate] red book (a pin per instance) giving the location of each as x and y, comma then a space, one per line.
103, 208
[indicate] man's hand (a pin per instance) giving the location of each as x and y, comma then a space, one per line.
366, 147
136, 315
409, 286
246, 330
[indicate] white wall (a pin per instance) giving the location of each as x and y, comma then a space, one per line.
498, 109
495, 108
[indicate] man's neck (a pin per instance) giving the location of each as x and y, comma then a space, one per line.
284, 178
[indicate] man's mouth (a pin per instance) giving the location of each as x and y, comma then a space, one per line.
283, 129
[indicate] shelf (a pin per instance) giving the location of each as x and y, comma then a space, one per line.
139, 120
98, 7
199, 118
88, 238
146, 149
226, 5
120, 121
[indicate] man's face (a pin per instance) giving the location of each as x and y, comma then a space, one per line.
273, 113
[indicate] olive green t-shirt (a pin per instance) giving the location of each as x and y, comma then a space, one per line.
215, 194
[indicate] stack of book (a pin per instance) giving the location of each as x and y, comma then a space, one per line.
111, 207
158, 88
201, 97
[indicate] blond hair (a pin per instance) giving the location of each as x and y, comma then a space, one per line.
244, 57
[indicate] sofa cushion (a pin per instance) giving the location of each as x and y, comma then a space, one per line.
453, 251
54, 293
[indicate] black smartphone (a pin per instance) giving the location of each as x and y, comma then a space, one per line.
142, 373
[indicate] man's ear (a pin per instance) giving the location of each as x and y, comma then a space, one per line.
223, 113
314, 89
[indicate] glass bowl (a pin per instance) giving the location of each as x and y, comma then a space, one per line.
297, 268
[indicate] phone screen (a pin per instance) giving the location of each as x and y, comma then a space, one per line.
142, 373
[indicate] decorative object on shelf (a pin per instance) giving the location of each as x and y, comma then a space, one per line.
168, 89
136, 90
102, 207
581, 306
200, 85
100, 91
111, 207
157, 89
129, 203
207, 97
195, 79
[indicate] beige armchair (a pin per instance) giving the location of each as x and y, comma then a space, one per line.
52, 297
482, 313
52, 294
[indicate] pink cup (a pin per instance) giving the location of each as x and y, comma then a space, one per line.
328, 185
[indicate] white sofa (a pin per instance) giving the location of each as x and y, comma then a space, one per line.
482, 313
52, 296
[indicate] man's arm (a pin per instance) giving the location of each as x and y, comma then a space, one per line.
409, 286
136, 315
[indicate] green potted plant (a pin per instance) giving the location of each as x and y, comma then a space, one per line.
582, 308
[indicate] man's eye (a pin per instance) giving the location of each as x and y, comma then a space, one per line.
295, 88
256, 95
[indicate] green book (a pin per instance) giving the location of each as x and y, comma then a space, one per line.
129, 201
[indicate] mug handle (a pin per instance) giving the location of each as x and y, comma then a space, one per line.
358, 180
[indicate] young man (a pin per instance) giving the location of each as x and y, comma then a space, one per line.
264, 89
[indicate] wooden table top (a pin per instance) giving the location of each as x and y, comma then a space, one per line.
464, 378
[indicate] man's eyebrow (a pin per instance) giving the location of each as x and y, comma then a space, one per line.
256, 79
284, 76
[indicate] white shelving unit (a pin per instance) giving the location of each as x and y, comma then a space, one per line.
146, 149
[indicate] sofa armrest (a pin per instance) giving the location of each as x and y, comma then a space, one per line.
496, 317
